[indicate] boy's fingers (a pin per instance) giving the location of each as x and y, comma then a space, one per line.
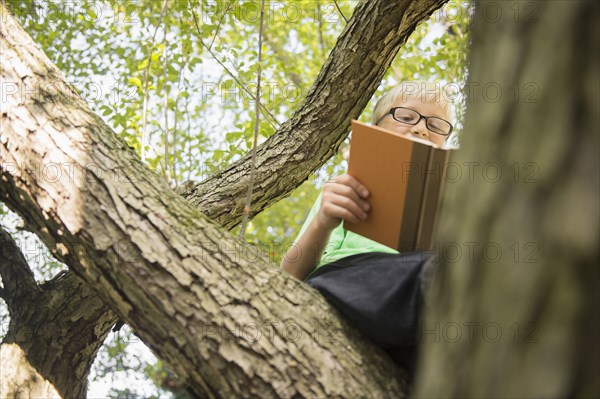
348, 191
341, 206
344, 213
356, 185
344, 202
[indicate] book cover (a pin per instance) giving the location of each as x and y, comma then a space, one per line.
405, 177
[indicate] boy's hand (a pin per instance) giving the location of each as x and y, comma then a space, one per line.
343, 198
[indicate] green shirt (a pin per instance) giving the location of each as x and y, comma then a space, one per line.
342, 243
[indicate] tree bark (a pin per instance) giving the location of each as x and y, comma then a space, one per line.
363, 52
517, 317
190, 290
55, 330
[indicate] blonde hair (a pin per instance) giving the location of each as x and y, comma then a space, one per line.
414, 89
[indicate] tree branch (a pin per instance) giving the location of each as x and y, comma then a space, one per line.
348, 79
247, 207
167, 170
17, 278
220, 22
147, 78
340, 11
61, 338
73, 320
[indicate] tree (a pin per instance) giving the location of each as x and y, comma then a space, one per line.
115, 223
515, 315
48, 349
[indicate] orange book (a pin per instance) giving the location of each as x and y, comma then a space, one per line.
405, 177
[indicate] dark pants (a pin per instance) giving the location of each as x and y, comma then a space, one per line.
382, 294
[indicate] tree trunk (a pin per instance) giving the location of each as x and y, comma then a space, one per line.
54, 334
217, 311
517, 314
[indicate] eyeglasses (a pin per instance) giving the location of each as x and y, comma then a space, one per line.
411, 117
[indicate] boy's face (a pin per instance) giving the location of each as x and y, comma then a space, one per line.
420, 129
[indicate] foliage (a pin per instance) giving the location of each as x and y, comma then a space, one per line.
154, 71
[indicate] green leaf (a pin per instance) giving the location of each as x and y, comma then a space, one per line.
135, 81
106, 110
233, 136
143, 64
207, 30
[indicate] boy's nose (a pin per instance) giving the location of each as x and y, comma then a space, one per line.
420, 129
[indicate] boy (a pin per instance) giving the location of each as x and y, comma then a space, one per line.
380, 290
